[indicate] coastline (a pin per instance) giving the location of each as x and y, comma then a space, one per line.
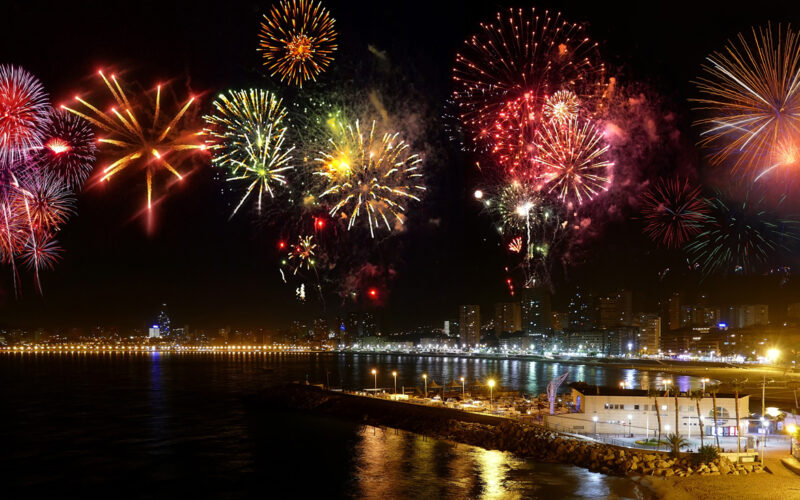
663, 477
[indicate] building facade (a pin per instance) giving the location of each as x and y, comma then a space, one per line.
469, 324
609, 410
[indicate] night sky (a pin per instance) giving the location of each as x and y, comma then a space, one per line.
212, 271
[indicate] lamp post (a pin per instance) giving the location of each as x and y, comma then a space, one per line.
394, 374
463, 390
491, 393
594, 419
630, 429
791, 429
375, 374
425, 378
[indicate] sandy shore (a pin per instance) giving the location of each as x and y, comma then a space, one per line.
780, 484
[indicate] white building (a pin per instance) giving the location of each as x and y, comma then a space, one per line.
609, 410
154, 332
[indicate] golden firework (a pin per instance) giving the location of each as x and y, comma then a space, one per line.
298, 40
140, 133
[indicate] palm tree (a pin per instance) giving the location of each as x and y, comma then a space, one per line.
697, 395
653, 393
736, 385
675, 393
676, 442
713, 390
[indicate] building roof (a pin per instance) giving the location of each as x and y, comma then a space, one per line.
599, 390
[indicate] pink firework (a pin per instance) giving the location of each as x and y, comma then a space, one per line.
68, 149
23, 112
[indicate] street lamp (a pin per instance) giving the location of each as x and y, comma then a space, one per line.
463, 390
791, 429
630, 429
394, 374
491, 393
425, 378
773, 355
375, 374
594, 419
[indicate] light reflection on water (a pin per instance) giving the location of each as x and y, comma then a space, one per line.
396, 464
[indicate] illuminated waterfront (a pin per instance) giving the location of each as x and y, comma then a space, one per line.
171, 417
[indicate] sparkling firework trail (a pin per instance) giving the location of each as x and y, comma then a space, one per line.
23, 110
523, 51
673, 211
139, 134
298, 40
573, 157
246, 138
369, 175
69, 148
750, 102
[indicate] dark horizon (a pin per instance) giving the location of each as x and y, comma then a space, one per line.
213, 271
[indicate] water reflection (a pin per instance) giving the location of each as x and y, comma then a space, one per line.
396, 464
353, 371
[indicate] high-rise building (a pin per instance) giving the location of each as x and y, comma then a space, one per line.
153, 332
558, 320
793, 311
507, 318
580, 314
615, 309
319, 330
747, 315
650, 331
675, 311
367, 326
535, 307
351, 325
163, 322
469, 320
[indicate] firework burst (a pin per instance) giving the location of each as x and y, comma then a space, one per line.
513, 135
673, 211
534, 226
523, 51
562, 107
23, 110
69, 148
141, 134
750, 102
246, 135
740, 237
574, 159
369, 176
301, 255
298, 40
50, 202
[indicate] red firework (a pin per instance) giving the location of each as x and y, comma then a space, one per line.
23, 112
673, 211
69, 148
513, 135
523, 52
